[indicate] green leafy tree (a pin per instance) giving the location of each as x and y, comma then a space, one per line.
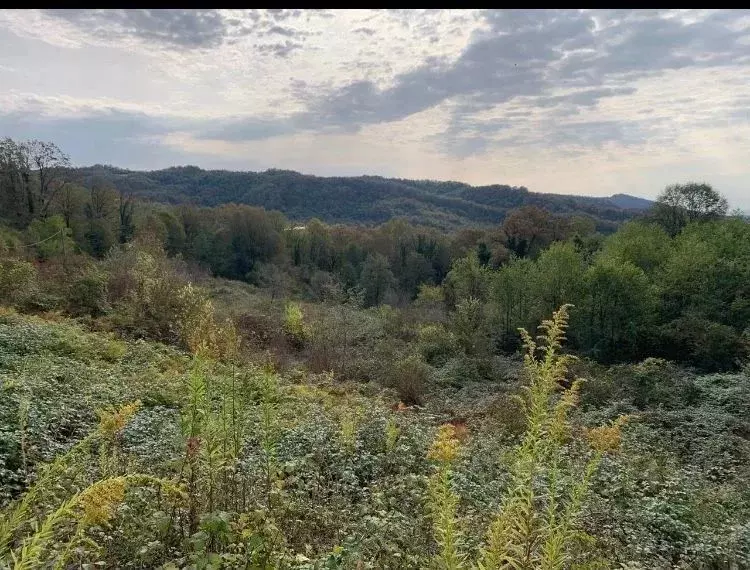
512, 299
617, 310
376, 279
645, 245
468, 278
558, 277
469, 324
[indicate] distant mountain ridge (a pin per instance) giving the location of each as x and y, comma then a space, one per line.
629, 202
355, 199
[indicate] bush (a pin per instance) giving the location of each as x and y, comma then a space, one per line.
409, 377
294, 325
87, 295
436, 344
50, 236
347, 341
18, 281
153, 299
651, 383
708, 345
10, 242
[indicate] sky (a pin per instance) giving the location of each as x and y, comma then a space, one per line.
589, 102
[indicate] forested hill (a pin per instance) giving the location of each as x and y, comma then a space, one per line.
361, 199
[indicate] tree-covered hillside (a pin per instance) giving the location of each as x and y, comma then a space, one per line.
361, 199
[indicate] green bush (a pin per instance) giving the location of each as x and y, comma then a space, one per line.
409, 377
436, 344
87, 295
708, 345
294, 325
18, 281
51, 237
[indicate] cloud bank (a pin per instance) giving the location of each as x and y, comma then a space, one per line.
570, 101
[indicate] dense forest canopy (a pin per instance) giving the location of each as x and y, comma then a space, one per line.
205, 369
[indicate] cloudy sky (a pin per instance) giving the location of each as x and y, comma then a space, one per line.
580, 102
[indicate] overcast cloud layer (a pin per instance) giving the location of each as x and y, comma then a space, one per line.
579, 102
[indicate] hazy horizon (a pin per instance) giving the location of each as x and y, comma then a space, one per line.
560, 101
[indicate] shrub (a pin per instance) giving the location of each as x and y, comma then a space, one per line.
18, 281
409, 377
436, 344
294, 325
50, 236
87, 295
708, 345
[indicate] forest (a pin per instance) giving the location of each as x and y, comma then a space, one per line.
360, 200
494, 381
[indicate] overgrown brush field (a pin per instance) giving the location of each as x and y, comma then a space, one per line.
131, 454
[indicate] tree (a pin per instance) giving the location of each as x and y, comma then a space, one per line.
48, 161
512, 298
99, 235
70, 202
125, 213
618, 305
376, 279
708, 274
558, 277
469, 325
16, 195
467, 278
175, 239
645, 245
528, 229
680, 204
483, 254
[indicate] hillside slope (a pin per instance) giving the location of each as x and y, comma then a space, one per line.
361, 199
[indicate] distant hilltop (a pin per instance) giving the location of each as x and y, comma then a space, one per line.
356, 199
630, 202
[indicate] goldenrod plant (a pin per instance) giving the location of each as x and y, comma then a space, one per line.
93, 505
443, 500
392, 433
536, 526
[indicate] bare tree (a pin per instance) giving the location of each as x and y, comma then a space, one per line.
70, 200
48, 161
101, 203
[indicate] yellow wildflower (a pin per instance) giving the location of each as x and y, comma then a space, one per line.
111, 422
607, 438
445, 446
100, 501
